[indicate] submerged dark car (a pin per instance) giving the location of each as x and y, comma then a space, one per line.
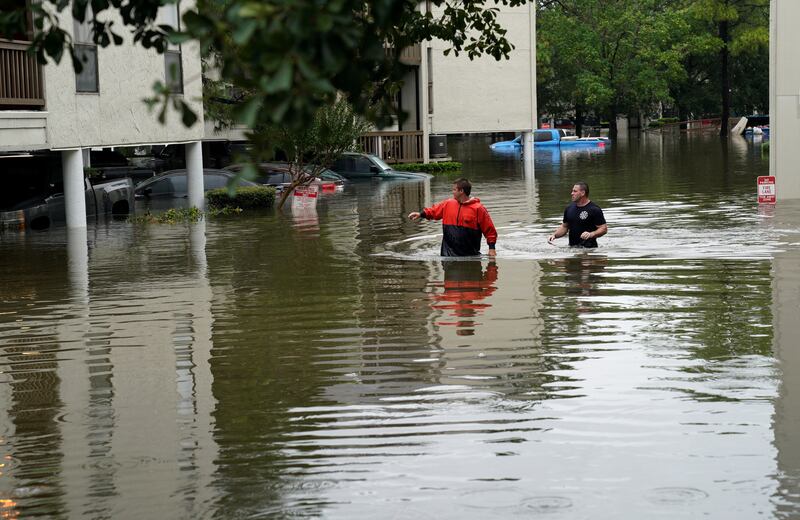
169, 189
353, 165
33, 194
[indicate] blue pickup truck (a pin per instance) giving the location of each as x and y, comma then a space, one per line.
552, 137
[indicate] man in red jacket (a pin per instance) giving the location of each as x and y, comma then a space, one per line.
464, 219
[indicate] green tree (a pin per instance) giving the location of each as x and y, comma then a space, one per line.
612, 56
310, 149
742, 30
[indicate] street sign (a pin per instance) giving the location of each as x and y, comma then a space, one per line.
766, 189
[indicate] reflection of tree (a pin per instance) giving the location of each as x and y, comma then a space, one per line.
729, 309
465, 285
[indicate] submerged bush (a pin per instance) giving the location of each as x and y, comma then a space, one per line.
434, 167
171, 216
245, 198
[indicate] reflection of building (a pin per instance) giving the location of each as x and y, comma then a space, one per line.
126, 385
786, 331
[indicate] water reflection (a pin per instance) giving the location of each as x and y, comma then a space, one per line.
243, 367
459, 296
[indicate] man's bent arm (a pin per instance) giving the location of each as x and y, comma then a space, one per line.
601, 230
562, 230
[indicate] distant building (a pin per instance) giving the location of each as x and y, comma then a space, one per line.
453, 95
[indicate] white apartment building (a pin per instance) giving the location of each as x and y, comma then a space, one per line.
453, 94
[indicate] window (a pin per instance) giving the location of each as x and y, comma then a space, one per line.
179, 187
87, 79
362, 165
539, 137
213, 182
340, 165
161, 187
173, 66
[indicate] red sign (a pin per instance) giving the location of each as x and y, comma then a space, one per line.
766, 189
306, 191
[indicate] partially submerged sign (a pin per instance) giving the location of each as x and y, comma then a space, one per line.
766, 189
305, 196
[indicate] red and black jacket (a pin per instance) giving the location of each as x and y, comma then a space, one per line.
462, 225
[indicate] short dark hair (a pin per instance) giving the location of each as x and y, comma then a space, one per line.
583, 186
463, 185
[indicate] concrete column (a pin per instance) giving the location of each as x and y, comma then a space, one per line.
784, 104
74, 188
194, 174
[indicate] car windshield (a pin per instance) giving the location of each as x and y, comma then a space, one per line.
379, 162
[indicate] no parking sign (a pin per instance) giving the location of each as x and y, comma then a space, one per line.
766, 189
305, 196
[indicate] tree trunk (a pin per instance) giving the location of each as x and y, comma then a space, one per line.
725, 79
612, 123
578, 119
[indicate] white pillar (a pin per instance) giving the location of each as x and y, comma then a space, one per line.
784, 88
527, 152
74, 188
194, 174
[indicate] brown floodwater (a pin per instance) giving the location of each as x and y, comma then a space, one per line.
329, 364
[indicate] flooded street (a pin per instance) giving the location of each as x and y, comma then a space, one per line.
330, 364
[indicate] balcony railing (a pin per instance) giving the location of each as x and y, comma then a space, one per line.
411, 55
394, 147
20, 77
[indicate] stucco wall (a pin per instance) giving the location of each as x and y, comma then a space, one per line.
117, 116
484, 95
785, 96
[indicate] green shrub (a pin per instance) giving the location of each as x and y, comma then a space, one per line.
434, 167
244, 198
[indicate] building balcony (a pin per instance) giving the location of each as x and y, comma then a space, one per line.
394, 147
20, 78
411, 55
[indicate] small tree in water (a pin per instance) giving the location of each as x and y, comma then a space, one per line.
334, 130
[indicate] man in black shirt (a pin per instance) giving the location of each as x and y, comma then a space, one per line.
583, 219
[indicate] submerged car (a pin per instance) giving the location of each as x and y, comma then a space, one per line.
168, 189
353, 165
549, 138
277, 174
33, 193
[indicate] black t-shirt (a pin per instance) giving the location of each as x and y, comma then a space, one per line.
583, 218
